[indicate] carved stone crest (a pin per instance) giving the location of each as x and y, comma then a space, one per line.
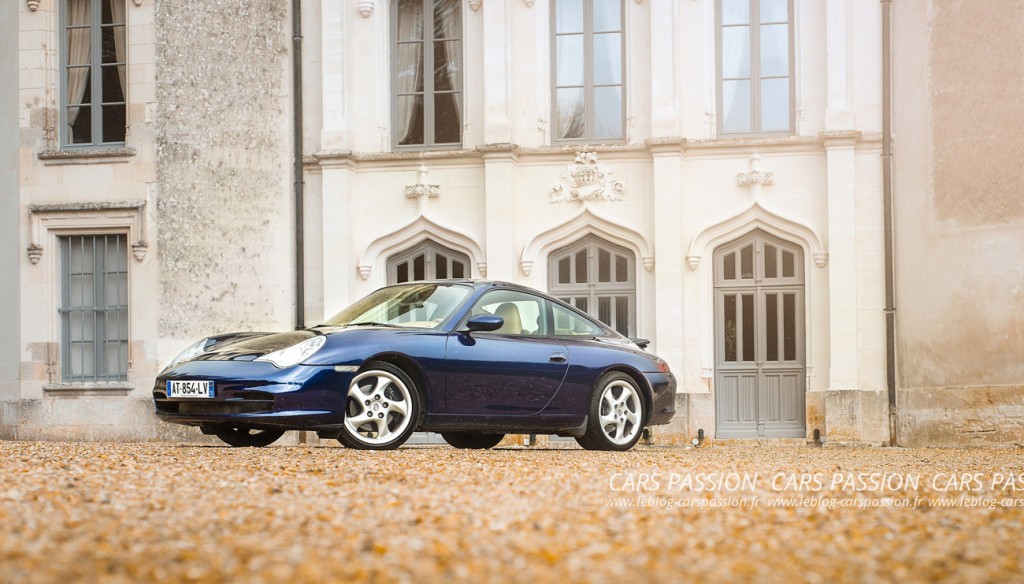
587, 180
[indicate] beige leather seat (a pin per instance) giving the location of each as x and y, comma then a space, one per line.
510, 314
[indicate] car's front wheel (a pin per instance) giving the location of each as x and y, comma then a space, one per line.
472, 440
382, 408
617, 414
245, 437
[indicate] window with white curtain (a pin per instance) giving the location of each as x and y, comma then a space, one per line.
427, 73
93, 83
588, 50
755, 62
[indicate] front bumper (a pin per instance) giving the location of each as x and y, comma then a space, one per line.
256, 395
663, 402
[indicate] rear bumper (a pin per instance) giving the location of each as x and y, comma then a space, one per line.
663, 402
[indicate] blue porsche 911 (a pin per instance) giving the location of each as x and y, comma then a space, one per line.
471, 360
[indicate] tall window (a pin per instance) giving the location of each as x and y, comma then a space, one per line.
427, 261
755, 60
94, 308
588, 54
427, 72
93, 52
598, 278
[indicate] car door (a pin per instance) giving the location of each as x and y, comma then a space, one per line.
513, 371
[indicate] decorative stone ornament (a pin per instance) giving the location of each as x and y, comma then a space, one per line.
33, 5
755, 176
365, 8
587, 180
138, 249
35, 252
475, 4
421, 188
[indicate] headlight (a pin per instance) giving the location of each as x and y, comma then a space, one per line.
192, 351
295, 354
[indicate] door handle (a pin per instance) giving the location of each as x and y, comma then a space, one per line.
557, 358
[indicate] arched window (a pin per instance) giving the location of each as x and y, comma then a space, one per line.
599, 278
427, 261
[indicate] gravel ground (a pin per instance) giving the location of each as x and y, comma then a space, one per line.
76, 512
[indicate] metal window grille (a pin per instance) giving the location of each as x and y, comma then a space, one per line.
94, 308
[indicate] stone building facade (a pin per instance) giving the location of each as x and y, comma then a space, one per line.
132, 241
707, 174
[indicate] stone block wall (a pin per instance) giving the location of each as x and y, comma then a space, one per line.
224, 202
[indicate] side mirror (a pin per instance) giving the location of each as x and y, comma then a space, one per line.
485, 323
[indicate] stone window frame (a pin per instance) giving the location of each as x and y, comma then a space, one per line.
107, 151
48, 222
428, 81
588, 80
755, 78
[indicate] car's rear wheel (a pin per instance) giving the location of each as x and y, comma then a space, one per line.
472, 440
617, 414
382, 408
245, 437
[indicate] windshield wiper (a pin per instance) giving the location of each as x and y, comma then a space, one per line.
371, 323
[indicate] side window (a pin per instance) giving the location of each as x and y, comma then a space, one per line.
570, 324
524, 314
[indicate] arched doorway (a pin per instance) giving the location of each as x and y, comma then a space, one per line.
759, 338
599, 278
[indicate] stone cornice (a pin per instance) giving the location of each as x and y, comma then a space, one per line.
80, 207
86, 155
745, 146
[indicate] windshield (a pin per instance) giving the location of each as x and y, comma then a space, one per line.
409, 305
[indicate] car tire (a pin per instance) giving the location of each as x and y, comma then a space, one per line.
382, 408
472, 440
248, 437
617, 414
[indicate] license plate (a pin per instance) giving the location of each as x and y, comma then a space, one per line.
190, 389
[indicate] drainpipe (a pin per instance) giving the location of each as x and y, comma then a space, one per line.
300, 264
887, 208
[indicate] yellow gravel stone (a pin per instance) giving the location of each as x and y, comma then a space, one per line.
80, 512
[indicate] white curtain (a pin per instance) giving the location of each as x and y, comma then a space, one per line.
569, 70
451, 28
409, 57
736, 65
117, 11
79, 45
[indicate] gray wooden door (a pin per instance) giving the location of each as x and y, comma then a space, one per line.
759, 339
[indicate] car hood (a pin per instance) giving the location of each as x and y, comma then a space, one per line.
248, 346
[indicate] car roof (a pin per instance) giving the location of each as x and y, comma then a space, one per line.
476, 282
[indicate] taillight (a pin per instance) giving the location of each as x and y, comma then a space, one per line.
662, 365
